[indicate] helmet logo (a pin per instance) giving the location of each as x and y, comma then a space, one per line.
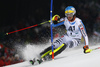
72, 8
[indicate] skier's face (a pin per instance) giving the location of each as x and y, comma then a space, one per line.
69, 16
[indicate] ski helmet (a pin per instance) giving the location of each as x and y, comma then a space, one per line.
70, 10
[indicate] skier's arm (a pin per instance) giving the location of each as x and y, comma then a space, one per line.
58, 24
84, 34
57, 21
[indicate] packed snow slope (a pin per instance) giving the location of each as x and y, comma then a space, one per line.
73, 57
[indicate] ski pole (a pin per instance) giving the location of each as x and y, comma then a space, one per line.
27, 27
95, 48
89, 50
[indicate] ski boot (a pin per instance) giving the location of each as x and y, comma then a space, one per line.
36, 61
32, 61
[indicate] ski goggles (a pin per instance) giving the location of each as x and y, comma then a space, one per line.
69, 14
69, 11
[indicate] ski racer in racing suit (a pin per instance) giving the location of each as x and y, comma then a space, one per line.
75, 31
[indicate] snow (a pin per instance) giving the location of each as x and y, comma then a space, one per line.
73, 57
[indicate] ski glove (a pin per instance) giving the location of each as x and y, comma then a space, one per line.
86, 49
55, 19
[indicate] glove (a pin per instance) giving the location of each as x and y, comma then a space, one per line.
55, 18
86, 49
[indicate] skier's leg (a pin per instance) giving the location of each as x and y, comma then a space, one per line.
48, 50
48, 55
59, 49
45, 52
70, 44
56, 52
56, 44
60, 45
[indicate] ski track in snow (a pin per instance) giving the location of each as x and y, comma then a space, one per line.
73, 57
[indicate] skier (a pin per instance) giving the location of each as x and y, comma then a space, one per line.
75, 30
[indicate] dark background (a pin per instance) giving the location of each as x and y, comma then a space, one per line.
17, 14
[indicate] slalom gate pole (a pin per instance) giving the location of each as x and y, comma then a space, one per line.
51, 29
27, 27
